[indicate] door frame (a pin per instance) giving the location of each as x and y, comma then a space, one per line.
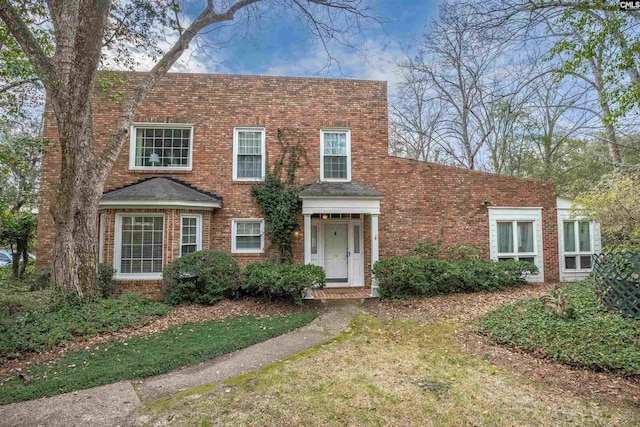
355, 262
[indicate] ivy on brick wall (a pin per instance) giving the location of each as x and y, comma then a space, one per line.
278, 194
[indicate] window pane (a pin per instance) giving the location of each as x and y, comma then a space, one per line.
314, 239
525, 237
569, 237
335, 167
162, 147
505, 237
142, 240
335, 143
570, 263
584, 237
356, 239
505, 258
248, 242
249, 166
585, 262
527, 259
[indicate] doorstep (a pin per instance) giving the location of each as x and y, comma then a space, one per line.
341, 293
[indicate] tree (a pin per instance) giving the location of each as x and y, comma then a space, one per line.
456, 62
20, 156
84, 32
615, 203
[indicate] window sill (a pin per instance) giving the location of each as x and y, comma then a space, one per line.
246, 181
160, 171
247, 253
138, 276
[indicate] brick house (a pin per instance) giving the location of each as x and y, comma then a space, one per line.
200, 141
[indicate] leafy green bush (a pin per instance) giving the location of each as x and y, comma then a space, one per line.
426, 249
289, 281
462, 252
399, 277
202, 277
106, 284
591, 337
40, 279
39, 331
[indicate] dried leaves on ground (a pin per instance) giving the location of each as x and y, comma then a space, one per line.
467, 308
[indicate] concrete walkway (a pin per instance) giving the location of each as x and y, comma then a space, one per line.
116, 404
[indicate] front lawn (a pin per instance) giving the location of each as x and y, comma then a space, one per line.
147, 355
594, 338
386, 373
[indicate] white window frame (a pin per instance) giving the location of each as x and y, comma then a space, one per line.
233, 236
117, 250
236, 130
515, 215
198, 218
335, 130
577, 253
132, 145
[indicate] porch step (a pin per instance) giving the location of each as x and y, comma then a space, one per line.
341, 293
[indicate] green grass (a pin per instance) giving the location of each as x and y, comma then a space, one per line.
386, 373
148, 355
594, 338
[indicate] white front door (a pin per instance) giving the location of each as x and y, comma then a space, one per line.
336, 252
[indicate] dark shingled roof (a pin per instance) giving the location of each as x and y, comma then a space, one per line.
340, 189
160, 189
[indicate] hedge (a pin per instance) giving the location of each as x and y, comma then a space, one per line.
400, 277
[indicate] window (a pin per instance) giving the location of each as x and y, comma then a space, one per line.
190, 234
247, 235
335, 155
314, 240
577, 245
139, 244
356, 239
516, 240
248, 154
160, 146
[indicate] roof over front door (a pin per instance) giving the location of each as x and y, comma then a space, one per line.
160, 192
340, 197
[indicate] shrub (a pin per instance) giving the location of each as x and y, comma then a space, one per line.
400, 277
426, 249
106, 284
588, 336
39, 330
462, 252
40, 279
202, 277
289, 281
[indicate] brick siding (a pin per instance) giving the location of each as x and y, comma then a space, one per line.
422, 200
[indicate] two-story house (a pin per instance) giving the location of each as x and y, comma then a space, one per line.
200, 141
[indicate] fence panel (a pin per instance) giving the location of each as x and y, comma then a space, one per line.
617, 281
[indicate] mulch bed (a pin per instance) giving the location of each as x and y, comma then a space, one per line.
177, 316
467, 308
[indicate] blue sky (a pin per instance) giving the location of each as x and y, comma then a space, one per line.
282, 46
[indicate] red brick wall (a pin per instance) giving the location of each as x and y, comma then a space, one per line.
422, 200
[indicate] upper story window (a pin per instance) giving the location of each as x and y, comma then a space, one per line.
248, 154
577, 245
335, 155
161, 146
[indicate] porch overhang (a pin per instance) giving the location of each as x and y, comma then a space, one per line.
159, 193
342, 198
